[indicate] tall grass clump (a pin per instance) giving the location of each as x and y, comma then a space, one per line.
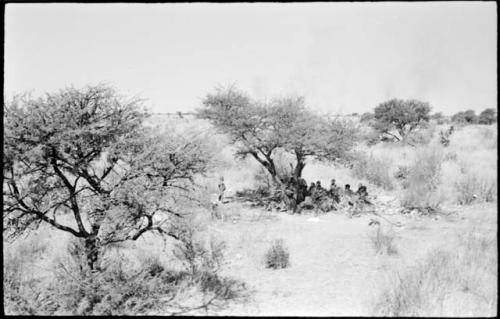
461, 281
277, 256
422, 184
471, 187
422, 136
383, 242
375, 170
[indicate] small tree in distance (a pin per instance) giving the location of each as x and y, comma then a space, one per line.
439, 118
402, 116
465, 117
488, 116
260, 129
366, 117
86, 153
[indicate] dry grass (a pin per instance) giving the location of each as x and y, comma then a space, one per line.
374, 169
424, 179
383, 241
277, 256
457, 281
472, 187
434, 287
128, 283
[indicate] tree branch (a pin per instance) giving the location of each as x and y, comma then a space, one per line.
71, 189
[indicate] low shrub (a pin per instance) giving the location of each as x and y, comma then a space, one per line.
450, 156
470, 187
444, 136
277, 256
196, 256
123, 287
402, 172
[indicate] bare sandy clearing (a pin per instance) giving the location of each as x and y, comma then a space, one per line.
334, 269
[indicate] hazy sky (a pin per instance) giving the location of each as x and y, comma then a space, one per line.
344, 58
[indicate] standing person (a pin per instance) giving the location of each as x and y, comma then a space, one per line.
222, 188
289, 196
334, 191
302, 190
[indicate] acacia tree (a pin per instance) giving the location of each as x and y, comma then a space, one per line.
465, 117
438, 117
402, 116
81, 161
488, 116
261, 129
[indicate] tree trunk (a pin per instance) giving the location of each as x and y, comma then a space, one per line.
92, 249
299, 167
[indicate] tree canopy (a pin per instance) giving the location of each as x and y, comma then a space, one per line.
85, 152
259, 129
488, 116
402, 116
439, 117
465, 117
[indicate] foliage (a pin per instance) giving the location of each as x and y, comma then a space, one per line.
422, 136
444, 136
277, 256
470, 187
488, 116
120, 288
402, 116
439, 118
366, 117
262, 129
402, 172
196, 255
86, 152
465, 117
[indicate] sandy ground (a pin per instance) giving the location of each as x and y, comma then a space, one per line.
334, 270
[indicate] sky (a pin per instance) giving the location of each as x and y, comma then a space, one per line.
342, 57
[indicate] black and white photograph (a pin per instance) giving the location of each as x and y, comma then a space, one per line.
305, 159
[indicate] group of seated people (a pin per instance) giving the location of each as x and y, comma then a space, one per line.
316, 197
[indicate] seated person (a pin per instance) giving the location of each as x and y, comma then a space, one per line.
319, 192
311, 189
362, 194
362, 190
347, 190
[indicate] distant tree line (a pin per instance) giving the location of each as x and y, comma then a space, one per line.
400, 115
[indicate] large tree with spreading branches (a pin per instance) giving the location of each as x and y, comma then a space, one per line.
398, 117
261, 129
81, 161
